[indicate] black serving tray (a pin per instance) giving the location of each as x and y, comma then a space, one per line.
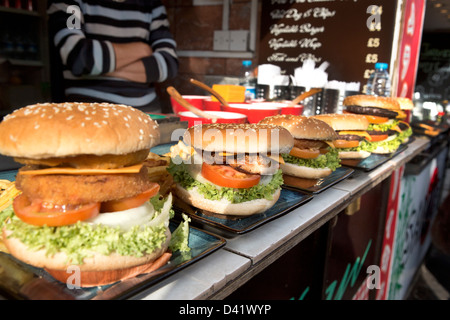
234, 225
316, 186
373, 161
22, 281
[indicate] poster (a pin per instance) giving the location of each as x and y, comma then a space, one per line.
350, 35
411, 36
414, 219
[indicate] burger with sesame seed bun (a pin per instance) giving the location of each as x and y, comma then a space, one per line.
85, 196
230, 169
313, 155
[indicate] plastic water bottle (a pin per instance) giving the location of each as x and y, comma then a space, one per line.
248, 80
379, 83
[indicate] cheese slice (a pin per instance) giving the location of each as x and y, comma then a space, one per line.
356, 133
278, 158
75, 171
330, 143
396, 128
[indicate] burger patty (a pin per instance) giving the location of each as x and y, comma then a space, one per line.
377, 132
403, 126
63, 189
373, 111
350, 137
253, 164
309, 144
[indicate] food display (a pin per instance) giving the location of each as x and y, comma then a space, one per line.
313, 155
352, 139
383, 115
85, 194
230, 169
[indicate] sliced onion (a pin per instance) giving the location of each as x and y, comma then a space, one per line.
140, 216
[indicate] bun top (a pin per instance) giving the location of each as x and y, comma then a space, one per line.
239, 138
302, 127
345, 121
405, 103
372, 101
68, 129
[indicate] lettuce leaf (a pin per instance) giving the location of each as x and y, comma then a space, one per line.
181, 175
180, 236
390, 145
80, 240
382, 127
328, 160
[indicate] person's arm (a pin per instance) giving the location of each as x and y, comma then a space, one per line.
163, 63
134, 71
128, 53
84, 56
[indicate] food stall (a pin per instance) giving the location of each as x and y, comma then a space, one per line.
359, 234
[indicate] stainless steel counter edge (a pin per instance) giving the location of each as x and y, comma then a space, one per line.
219, 274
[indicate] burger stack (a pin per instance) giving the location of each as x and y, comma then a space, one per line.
85, 199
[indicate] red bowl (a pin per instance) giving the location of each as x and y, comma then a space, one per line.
255, 112
286, 107
211, 105
224, 117
196, 101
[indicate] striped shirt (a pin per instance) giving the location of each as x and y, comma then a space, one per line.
83, 32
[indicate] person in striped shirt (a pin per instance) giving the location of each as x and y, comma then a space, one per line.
112, 50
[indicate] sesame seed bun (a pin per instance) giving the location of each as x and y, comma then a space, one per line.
305, 172
225, 207
344, 121
302, 127
372, 101
239, 138
405, 103
97, 269
52, 130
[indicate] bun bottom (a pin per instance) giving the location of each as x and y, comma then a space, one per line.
96, 270
304, 172
101, 278
380, 150
247, 208
354, 154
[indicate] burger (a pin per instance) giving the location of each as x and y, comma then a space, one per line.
383, 114
85, 198
406, 105
230, 169
352, 139
313, 155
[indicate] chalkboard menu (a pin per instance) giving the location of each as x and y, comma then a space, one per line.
352, 35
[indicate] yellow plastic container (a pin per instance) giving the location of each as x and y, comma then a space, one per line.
231, 93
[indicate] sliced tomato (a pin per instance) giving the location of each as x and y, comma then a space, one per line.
346, 143
304, 153
41, 213
376, 119
131, 202
226, 176
378, 137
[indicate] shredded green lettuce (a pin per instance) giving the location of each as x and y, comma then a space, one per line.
405, 135
181, 175
180, 237
81, 240
382, 127
390, 145
328, 160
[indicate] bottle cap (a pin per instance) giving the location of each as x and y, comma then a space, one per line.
381, 65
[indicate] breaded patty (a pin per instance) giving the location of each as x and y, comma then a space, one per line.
81, 189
